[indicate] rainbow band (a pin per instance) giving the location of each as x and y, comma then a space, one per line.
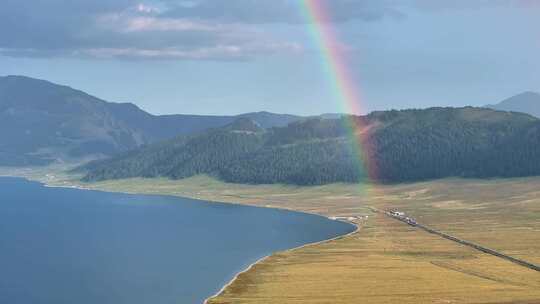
333, 58
343, 85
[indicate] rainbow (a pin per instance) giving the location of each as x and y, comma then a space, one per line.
343, 85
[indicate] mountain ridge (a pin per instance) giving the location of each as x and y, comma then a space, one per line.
526, 102
41, 122
397, 146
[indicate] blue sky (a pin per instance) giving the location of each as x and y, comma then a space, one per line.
234, 56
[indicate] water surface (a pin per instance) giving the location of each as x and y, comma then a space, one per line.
61, 245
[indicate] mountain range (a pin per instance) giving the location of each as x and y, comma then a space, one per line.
395, 146
527, 102
41, 122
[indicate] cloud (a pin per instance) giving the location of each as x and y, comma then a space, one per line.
180, 29
128, 24
147, 9
279, 11
431, 5
125, 29
218, 52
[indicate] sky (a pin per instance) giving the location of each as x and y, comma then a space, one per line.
237, 56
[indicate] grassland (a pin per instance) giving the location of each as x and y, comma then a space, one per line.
386, 261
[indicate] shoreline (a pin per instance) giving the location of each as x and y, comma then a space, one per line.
70, 185
361, 259
250, 266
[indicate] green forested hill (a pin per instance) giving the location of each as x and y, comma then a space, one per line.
407, 145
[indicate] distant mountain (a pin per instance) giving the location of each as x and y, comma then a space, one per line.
244, 125
41, 122
269, 120
331, 115
527, 102
397, 146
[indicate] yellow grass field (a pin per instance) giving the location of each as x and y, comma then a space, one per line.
386, 261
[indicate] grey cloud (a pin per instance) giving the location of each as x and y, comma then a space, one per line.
279, 11
179, 29
52, 24
289, 11
470, 4
122, 29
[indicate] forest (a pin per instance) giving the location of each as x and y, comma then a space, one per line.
386, 147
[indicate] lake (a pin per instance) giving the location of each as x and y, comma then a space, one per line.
61, 245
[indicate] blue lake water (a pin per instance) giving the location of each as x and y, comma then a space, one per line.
65, 246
